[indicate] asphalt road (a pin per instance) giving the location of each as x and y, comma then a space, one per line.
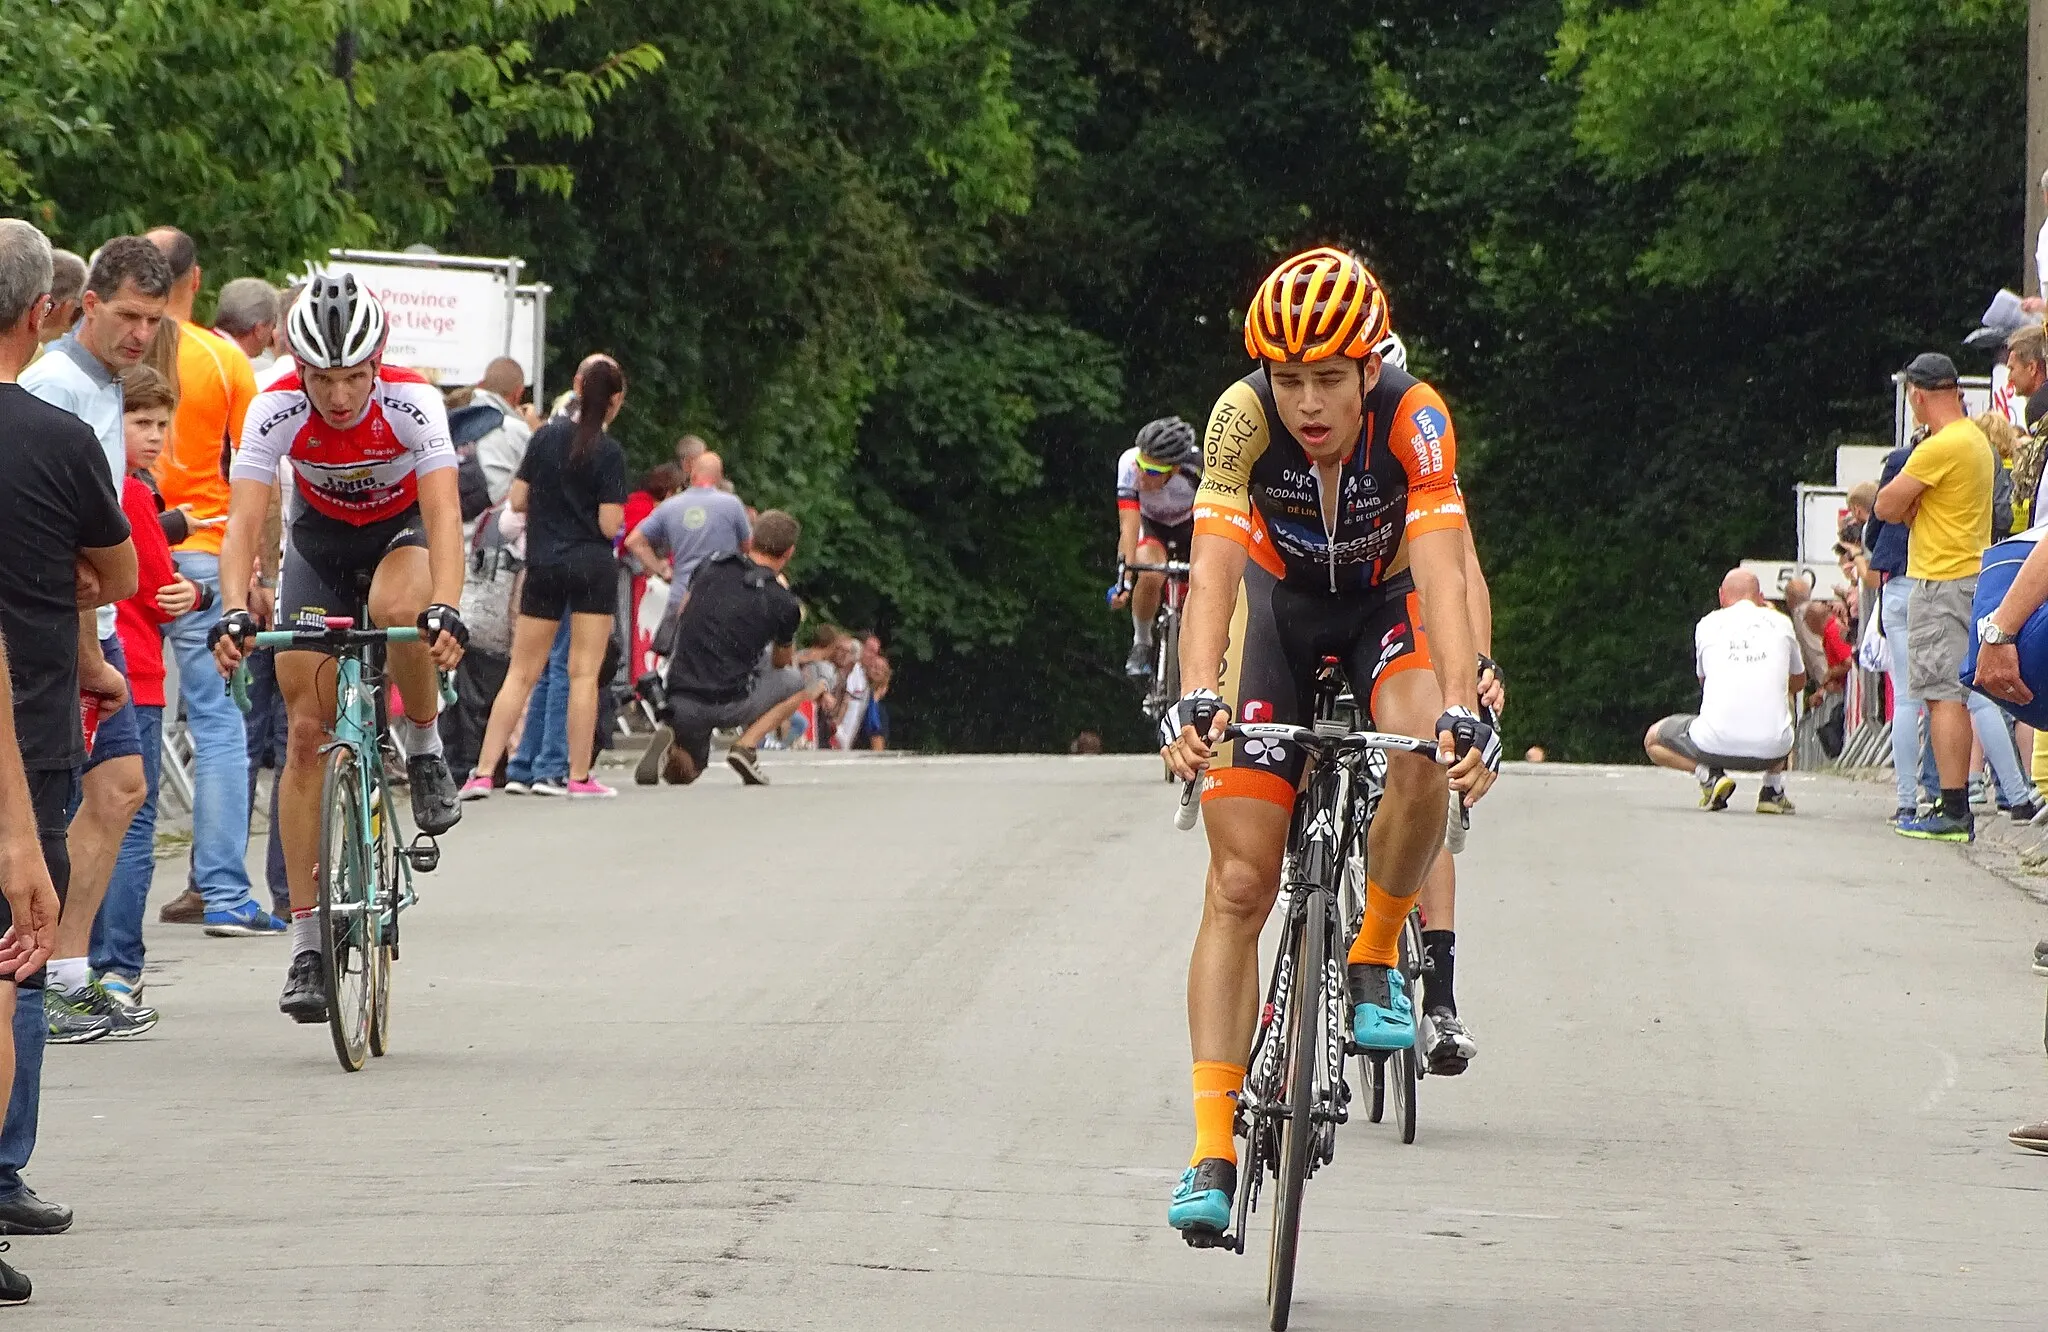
899, 1045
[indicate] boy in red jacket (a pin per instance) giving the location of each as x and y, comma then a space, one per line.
162, 595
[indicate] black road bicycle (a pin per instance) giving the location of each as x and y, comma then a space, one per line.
1162, 689
1295, 1093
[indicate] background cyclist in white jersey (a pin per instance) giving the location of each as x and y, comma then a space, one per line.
1156, 481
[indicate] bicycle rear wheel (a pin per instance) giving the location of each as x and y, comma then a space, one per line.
385, 928
1297, 1132
344, 882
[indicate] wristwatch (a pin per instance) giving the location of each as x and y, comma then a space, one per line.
1990, 635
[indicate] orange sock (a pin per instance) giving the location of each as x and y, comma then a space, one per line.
1380, 932
1216, 1089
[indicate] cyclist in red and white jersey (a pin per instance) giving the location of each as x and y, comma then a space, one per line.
375, 521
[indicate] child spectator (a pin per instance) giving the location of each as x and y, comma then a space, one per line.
161, 595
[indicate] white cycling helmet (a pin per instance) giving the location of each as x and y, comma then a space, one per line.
1393, 351
335, 324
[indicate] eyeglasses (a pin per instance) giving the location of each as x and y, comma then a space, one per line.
1152, 468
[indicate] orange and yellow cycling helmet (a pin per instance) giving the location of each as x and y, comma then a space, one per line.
1321, 303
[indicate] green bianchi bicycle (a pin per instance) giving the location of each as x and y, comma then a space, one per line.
366, 867
1295, 1092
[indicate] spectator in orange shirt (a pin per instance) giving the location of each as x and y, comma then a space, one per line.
215, 386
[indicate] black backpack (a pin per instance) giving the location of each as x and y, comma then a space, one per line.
467, 425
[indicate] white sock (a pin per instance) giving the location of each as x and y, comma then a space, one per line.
1141, 631
1702, 773
305, 933
1774, 783
417, 739
68, 974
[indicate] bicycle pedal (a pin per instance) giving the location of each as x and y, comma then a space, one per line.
424, 853
1208, 1239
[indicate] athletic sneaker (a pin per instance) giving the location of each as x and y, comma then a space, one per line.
1938, 827
436, 805
73, 1024
127, 1021
1382, 1015
648, 773
2033, 1137
1139, 664
247, 921
747, 764
1716, 792
551, 786
476, 788
305, 990
1201, 1201
2041, 958
125, 992
1453, 1047
14, 1287
2025, 813
1902, 813
1773, 802
590, 789
514, 787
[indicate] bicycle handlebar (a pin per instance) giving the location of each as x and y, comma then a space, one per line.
1350, 742
335, 634
1171, 567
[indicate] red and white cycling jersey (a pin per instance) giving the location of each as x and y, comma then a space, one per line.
360, 474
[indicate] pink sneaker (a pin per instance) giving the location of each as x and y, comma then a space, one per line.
476, 788
590, 789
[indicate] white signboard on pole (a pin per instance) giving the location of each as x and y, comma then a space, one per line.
452, 315
1821, 511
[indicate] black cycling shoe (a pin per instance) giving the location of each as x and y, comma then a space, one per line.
435, 807
305, 990
1451, 1047
14, 1287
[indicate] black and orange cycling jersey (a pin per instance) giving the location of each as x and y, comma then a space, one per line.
1261, 489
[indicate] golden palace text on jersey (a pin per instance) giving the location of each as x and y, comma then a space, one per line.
1261, 490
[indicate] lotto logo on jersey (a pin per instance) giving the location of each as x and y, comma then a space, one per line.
1257, 710
1431, 426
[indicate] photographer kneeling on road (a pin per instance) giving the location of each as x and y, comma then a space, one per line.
1749, 668
737, 609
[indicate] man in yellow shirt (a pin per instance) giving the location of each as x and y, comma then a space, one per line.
1944, 496
215, 387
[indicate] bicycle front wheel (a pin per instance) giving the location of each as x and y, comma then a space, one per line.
1298, 1132
386, 926
345, 875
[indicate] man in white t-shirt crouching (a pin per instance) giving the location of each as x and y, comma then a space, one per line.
1750, 669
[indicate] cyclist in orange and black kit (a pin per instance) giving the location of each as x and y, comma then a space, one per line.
1329, 523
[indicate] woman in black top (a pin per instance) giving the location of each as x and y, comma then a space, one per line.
572, 488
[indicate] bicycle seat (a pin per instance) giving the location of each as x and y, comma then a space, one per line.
340, 621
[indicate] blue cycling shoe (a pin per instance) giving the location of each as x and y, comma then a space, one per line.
1201, 1201
1382, 1014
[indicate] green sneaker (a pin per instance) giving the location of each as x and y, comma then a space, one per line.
1716, 792
126, 1019
1773, 802
73, 1023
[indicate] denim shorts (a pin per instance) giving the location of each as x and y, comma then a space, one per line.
118, 735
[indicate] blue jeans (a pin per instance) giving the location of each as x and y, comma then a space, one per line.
544, 747
220, 752
1907, 713
117, 930
25, 1104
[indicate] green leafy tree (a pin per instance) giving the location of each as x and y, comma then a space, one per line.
230, 120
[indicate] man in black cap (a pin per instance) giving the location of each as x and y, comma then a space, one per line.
1943, 495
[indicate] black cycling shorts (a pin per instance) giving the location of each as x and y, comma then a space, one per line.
1278, 639
329, 564
1178, 538
585, 586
